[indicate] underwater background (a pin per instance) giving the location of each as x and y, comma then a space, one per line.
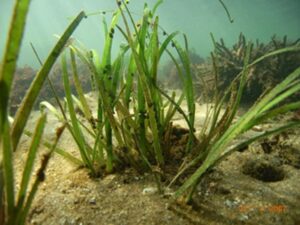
123, 136
256, 19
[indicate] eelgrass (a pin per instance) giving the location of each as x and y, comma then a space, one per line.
214, 145
26, 105
146, 55
14, 208
134, 110
8, 65
134, 115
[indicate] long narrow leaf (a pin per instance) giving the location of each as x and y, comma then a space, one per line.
9, 62
77, 132
79, 89
8, 170
32, 153
29, 99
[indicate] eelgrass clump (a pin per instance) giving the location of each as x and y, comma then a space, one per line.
134, 117
220, 129
138, 114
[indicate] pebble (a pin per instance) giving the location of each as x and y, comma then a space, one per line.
149, 190
92, 201
232, 203
257, 128
229, 203
243, 217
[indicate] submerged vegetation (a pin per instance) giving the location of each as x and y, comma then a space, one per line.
14, 208
262, 76
133, 123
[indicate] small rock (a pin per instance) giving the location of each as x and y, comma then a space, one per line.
231, 203
149, 190
92, 201
243, 217
257, 128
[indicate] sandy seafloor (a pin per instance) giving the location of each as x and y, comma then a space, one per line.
237, 191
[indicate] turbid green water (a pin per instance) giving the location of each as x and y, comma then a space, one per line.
257, 19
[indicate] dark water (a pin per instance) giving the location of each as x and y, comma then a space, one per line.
257, 19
